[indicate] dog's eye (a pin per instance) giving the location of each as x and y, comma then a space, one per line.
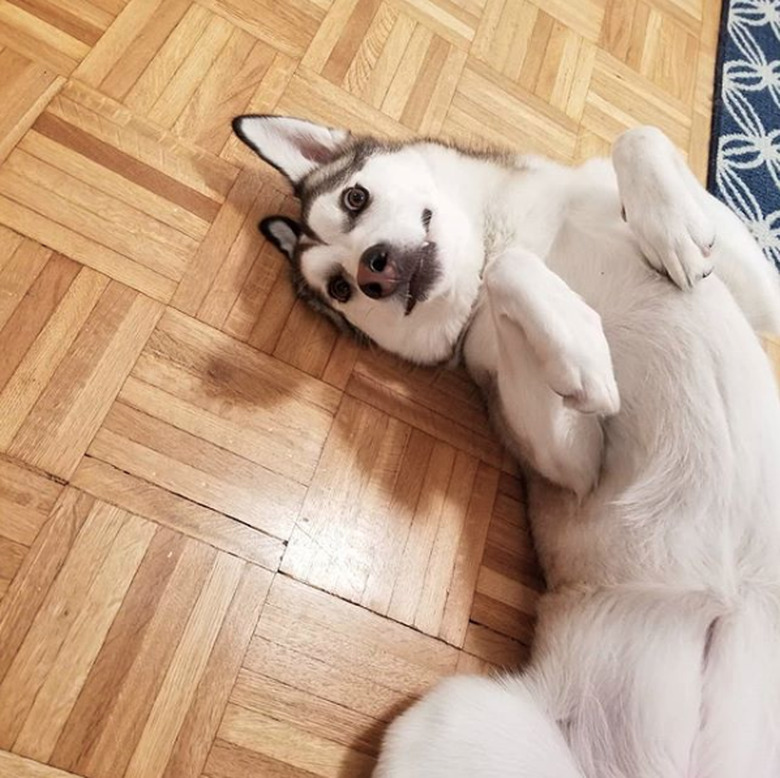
339, 289
355, 198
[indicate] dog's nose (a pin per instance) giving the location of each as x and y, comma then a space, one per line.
377, 274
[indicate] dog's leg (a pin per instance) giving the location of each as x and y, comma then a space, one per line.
470, 727
741, 677
563, 331
675, 234
685, 231
626, 663
555, 371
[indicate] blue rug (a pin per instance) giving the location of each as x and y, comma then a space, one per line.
744, 167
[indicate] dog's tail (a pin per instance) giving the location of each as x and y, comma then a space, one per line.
470, 726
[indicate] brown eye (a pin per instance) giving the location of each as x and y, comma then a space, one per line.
355, 198
339, 289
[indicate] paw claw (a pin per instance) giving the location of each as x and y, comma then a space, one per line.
674, 233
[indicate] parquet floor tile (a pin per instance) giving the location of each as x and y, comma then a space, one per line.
126, 643
232, 541
26, 88
26, 498
320, 679
58, 35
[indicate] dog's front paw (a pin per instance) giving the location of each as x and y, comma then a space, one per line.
674, 235
673, 231
563, 331
578, 364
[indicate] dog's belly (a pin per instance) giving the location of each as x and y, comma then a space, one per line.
689, 492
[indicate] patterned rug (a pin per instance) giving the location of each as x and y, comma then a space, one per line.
745, 148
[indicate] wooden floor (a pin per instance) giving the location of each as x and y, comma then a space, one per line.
231, 542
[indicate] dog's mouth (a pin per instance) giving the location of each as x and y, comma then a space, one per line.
422, 278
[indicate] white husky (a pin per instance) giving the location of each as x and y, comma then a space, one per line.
579, 299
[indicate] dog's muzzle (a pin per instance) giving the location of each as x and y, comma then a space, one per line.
384, 272
378, 275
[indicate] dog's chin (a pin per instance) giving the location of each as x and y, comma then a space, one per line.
423, 279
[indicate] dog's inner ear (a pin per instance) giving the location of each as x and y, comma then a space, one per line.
282, 232
293, 146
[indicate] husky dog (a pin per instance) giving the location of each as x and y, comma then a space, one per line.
581, 300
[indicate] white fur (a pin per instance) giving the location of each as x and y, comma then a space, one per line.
658, 645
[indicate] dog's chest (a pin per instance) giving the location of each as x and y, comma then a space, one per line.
480, 346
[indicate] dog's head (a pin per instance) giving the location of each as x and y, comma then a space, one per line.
382, 244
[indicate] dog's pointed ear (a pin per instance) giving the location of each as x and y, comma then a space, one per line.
293, 146
282, 232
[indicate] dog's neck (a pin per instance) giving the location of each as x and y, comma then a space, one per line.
501, 197
457, 357
473, 184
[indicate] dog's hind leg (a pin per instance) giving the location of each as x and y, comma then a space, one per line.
469, 727
626, 662
740, 732
555, 375
685, 231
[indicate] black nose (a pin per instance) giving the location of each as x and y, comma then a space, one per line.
377, 274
